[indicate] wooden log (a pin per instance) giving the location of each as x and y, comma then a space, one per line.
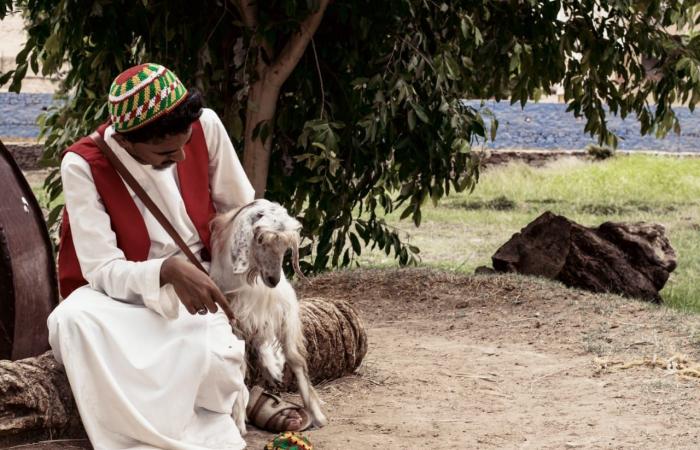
36, 402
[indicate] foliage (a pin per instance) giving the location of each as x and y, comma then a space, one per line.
372, 119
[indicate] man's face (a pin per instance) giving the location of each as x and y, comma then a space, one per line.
159, 153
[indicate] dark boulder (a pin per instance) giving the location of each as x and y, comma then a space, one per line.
631, 259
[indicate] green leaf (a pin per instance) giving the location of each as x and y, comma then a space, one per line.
417, 217
19, 74
494, 128
5, 77
265, 130
411, 116
355, 244
420, 112
236, 126
461, 145
464, 27
21, 57
258, 129
478, 38
53, 215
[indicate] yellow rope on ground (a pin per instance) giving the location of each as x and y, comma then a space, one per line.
679, 364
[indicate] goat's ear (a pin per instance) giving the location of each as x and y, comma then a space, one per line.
241, 241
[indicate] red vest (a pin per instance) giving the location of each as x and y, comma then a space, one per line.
127, 222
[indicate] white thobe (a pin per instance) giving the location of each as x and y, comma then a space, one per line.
144, 372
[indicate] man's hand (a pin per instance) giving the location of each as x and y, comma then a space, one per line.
196, 290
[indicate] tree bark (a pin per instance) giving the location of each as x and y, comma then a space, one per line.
36, 402
260, 113
271, 71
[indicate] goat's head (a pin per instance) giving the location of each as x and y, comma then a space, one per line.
254, 239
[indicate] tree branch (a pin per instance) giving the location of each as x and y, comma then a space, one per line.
249, 12
295, 48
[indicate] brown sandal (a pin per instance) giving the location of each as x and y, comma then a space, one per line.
265, 411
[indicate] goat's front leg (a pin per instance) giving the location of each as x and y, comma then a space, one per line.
271, 359
294, 351
239, 407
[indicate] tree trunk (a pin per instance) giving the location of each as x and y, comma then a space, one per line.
36, 401
264, 91
260, 116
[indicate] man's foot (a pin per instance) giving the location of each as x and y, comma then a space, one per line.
269, 412
292, 420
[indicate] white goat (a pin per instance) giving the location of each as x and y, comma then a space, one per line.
248, 247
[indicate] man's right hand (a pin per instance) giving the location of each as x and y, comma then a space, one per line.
194, 288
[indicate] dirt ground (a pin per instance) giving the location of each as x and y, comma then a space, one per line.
459, 362
507, 362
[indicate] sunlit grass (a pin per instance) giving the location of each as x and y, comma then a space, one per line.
464, 230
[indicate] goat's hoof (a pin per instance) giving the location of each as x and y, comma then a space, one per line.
276, 376
241, 425
320, 421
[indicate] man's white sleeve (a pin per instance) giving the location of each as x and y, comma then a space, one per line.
230, 187
102, 263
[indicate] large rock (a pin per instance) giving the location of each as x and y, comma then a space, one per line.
631, 259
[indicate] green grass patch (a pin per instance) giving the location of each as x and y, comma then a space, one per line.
464, 230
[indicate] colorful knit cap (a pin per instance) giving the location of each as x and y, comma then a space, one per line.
289, 441
141, 94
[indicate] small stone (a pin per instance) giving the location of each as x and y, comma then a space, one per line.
461, 305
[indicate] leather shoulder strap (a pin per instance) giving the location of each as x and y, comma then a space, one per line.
138, 190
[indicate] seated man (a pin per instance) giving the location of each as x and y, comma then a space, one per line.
143, 334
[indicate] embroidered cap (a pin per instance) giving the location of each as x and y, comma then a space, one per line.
141, 94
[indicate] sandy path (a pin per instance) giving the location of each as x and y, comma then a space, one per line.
505, 362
